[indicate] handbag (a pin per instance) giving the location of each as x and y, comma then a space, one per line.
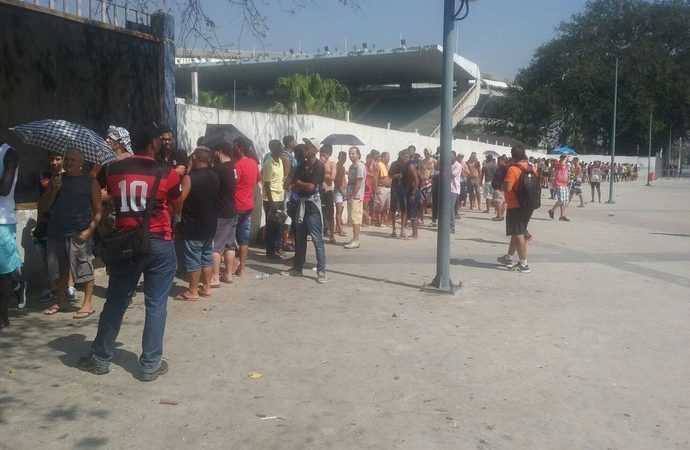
131, 244
277, 215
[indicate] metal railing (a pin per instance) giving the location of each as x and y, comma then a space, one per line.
109, 12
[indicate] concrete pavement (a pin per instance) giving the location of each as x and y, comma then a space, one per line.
589, 350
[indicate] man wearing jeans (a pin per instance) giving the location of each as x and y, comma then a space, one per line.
455, 187
308, 218
248, 176
130, 182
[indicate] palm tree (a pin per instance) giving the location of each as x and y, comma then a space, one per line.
312, 94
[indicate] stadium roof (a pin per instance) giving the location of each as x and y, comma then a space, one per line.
358, 68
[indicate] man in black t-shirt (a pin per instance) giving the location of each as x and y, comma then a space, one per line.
224, 244
199, 223
168, 154
398, 195
308, 218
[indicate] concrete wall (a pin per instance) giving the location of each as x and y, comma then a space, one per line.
57, 66
262, 127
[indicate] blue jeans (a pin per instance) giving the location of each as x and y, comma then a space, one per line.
159, 270
453, 201
312, 225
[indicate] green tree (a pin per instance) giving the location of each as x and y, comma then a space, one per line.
565, 96
214, 100
312, 94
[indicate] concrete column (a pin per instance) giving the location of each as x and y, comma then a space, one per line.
195, 87
163, 26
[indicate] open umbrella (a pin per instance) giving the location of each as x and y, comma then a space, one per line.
342, 139
217, 134
59, 135
564, 151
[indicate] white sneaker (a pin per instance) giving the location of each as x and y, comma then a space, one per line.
350, 245
321, 278
71, 293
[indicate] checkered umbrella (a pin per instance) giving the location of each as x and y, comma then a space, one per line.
59, 135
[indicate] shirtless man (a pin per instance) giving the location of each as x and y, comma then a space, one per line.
327, 188
474, 180
384, 187
426, 170
411, 182
339, 188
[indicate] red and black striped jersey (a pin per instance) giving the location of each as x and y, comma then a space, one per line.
130, 182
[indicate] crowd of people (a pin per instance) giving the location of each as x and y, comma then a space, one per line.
200, 208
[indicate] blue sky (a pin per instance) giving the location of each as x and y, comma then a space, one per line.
499, 35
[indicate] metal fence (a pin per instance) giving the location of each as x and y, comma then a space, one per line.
123, 16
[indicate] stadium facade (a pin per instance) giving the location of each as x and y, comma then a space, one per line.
398, 88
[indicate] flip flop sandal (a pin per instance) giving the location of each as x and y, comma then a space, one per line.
51, 311
185, 298
83, 314
224, 279
204, 294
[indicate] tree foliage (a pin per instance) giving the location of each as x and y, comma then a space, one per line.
312, 94
565, 96
198, 29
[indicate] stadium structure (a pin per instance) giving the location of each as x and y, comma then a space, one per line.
398, 88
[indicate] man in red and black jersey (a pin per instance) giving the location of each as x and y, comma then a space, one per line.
130, 182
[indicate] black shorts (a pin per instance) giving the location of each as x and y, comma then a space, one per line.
517, 220
398, 199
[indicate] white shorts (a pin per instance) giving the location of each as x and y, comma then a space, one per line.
338, 197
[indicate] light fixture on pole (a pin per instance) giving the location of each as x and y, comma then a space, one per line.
442, 282
613, 136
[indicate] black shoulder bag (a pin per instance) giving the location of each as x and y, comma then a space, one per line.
128, 246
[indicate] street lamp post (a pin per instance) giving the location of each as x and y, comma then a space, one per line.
442, 282
649, 156
613, 135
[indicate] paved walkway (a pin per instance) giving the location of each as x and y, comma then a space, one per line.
590, 350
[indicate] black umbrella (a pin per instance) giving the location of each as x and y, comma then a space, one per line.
342, 139
59, 135
218, 134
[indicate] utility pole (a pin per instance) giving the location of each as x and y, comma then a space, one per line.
613, 134
650, 174
442, 282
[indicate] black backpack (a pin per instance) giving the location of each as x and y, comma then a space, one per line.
529, 189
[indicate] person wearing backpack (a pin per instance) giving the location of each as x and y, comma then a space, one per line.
522, 198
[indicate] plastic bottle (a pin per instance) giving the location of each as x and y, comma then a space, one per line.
262, 276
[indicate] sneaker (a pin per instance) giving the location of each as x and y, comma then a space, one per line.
71, 294
564, 219
506, 260
350, 245
88, 364
519, 267
47, 295
153, 376
288, 248
20, 293
551, 214
291, 273
321, 278
497, 219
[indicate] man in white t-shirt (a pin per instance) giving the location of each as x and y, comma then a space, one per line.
355, 194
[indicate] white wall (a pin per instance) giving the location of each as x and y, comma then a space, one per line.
262, 127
